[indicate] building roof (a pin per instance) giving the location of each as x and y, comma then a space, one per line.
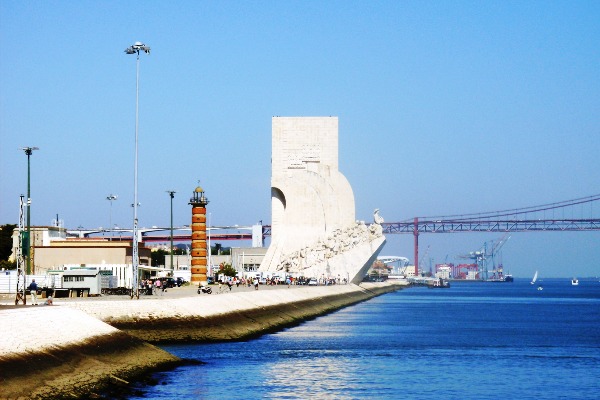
81, 272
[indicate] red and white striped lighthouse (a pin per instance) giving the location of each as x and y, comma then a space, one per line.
199, 250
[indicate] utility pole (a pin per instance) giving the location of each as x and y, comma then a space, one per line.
172, 194
27, 241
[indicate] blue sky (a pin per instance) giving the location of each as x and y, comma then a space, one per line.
444, 107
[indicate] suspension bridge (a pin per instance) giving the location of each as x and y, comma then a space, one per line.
570, 215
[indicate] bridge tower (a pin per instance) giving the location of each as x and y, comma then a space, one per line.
199, 250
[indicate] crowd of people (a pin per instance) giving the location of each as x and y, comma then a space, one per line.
229, 282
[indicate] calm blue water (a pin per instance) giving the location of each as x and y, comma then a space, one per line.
474, 341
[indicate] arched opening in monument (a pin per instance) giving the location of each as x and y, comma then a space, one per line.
278, 194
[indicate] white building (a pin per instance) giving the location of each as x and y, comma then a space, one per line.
443, 272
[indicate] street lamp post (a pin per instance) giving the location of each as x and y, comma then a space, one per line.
172, 195
135, 49
27, 247
111, 198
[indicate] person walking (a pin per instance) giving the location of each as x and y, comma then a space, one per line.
157, 285
33, 291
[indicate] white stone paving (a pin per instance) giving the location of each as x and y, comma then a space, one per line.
35, 328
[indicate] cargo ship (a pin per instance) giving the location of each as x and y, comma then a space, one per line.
506, 278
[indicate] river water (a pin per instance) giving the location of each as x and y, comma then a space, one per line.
471, 341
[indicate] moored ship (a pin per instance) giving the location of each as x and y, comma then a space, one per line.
471, 273
505, 278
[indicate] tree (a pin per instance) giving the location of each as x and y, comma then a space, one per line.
6, 232
4, 264
226, 269
158, 257
218, 249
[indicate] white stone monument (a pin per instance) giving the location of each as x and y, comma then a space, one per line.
314, 232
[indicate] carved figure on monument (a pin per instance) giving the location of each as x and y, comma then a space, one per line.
378, 219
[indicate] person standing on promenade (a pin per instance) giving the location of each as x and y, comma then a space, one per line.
157, 285
255, 283
33, 290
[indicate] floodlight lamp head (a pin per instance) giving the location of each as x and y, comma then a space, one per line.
136, 47
29, 150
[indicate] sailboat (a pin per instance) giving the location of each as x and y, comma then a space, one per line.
534, 278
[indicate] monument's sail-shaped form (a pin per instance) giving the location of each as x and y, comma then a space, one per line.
314, 232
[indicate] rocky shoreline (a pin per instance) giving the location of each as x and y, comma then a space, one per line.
81, 348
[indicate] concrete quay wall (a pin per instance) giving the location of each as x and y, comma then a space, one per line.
58, 352
79, 348
233, 316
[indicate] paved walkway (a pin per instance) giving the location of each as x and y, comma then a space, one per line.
172, 293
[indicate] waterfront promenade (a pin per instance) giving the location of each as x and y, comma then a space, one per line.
83, 345
172, 293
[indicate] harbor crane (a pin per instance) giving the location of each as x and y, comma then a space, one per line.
423, 258
483, 256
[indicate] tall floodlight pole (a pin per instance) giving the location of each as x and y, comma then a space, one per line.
172, 195
111, 198
135, 49
27, 244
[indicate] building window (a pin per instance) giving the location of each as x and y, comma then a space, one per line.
74, 278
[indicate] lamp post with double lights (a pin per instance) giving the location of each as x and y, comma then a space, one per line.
172, 195
135, 49
27, 242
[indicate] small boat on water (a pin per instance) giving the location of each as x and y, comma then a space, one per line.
534, 278
438, 283
574, 281
540, 288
